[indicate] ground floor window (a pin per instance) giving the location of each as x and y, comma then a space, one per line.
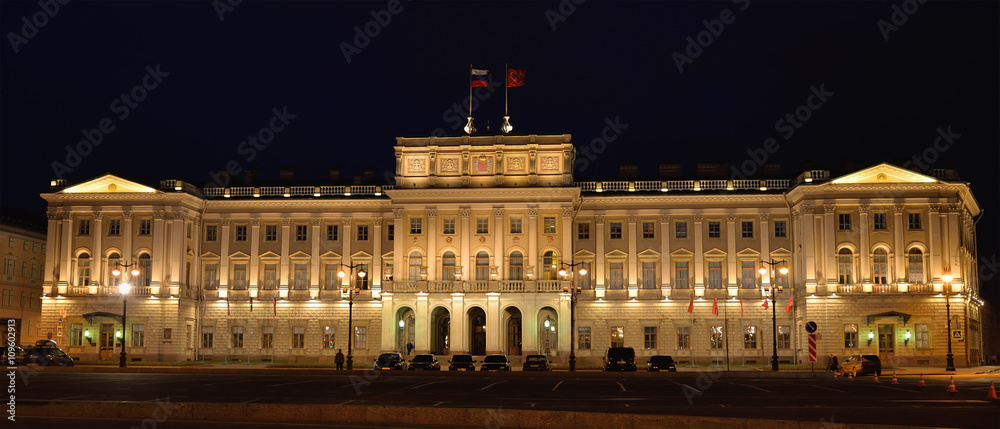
717, 338
583, 338
361, 337
617, 336
328, 339
237, 337
138, 335
298, 337
649, 337
851, 336
266, 337
784, 337
207, 336
76, 334
923, 336
749, 337
683, 337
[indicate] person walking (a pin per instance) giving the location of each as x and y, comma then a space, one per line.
339, 360
409, 348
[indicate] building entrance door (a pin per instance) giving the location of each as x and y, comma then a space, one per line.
107, 341
886, 343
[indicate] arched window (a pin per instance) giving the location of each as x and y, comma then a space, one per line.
448, 266
482, 266
845, 265
880, 266
549, 270
83, 270
915, 266
114, 261
416, 262
145, 270
516, 266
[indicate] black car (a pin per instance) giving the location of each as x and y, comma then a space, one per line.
862, 365
619, 359
390, 361
495, 363
47, 356
461, 363
536, 363
15, 356
661, 363
425, 362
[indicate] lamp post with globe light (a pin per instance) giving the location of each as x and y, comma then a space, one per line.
123, 289
950, 366
350, 291
773, 294
574, 291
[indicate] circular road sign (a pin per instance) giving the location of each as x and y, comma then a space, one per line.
810, 327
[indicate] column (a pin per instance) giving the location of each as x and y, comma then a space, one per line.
865, 251
466, 259
432, 246
498, 249
286, 226
254, 268
422, 317
175, 257
159, 235
397, 244
100, 259
389, 325
314, 269
66, 249
827, 249
665, 255
459, 331
808, 242
898, 229
732, 272
633, 266
567, 236
598, 267
533, 241
127, 234
765, 243
494, 323
223, 271
348, 239
952, 263
934, 240
375, 270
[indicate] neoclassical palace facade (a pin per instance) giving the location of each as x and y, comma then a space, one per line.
463, 255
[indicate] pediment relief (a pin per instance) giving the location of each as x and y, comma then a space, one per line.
883, 173
108, 183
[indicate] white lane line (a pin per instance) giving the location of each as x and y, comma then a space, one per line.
493, 384
532, 405
344, 403
621, 385
827, 388
686, 386
752, 387
294, 382
426, 384
557, 385
439, 403
252, 400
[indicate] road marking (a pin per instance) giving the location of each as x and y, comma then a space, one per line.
493, 384
344, 403
827, 388
532, 405
950, 401
426, 384
689, 387
72, 397
439, 403
557, 385
294, 382
621, 385
231, 382
626, 405
752, 387
252, 400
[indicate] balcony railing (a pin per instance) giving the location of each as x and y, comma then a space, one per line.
550, 285
920, 288
441, 286
133, 291
512, 286
884, 288
849, 289
477, 286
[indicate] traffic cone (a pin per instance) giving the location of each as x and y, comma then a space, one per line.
850, 376
875, 380
951, 386
921, 382
835, 375
894, 380
993, 392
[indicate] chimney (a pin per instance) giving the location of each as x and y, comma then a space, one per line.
772, 170
249, 177
670, 170
368, 176
334, 175
628, 171
286, 175
716, 171
357, 179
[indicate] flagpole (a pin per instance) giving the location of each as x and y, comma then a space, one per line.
506, 73
470, 90
725, 306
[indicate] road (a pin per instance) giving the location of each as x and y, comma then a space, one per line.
711, 394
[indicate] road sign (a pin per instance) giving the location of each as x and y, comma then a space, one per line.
810, 327
957, 335
812, 346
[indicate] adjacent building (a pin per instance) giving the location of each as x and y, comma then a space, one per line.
22, 244
463, 253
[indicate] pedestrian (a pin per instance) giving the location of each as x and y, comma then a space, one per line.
409, 348
339, 360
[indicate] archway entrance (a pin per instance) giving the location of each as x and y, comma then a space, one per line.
548, 331
477, 331
441, 334
405, 329
512, 324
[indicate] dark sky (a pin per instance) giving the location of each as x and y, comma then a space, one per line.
586, 65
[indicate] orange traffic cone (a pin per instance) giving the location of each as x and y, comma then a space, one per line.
875, 380
834, 375
951, 386
993, 392
921, 382
850, 376
894, 380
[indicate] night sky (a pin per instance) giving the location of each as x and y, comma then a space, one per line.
893, 74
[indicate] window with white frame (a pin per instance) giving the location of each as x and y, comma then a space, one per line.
76, 334
923, 338
145, 226
266, 337
680, 229
583, 338
211, 278
330, 276
784, 337
714, 230
616, 275
145, 270
270, 276
880, 267
241, 233
515, 225
482, 225
683, 337
301, 276
715, 274
681, 275
914, 221
648, 230
362, 232
516, 266
583, 231
449, 226
548, 225
416, 226
879, 221
649, 275
717, 339
747, 229
270, 232
329, 339
211, 233
361, 337
780, 228
617, 336
750, 337
615, 230
332, 232
845, 267
82, 270
207, 337
851, 336
114, 227
448, 269
298, 337
114, 263
301, 232
84, 227
237, 337
844, 221
748, 274
239, 276
415, 266
915, 266
649, 337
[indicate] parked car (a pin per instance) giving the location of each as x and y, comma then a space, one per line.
495, 363
862, 365
425, 362
390, 361
619, 359
661, 363
47, 356
14, 356
461, 363
536, 363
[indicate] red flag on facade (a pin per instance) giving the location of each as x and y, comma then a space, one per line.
251, 304
788, 307
715, 305
691, 305
276, 306
741, 306
227, 306
515, 78
765, 304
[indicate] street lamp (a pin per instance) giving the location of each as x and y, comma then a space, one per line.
351, 291
574, 291
774, 292
123, 288
947, 308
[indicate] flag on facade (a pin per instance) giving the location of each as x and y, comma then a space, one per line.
479, 77
715, 305
765, 304
741, 306
788, 307
227, 306
204, 303
251, 304
691, 305
515, 78
178, 306
275, 305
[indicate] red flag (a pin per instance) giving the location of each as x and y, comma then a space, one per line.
715, 305
227, 306
765, 304
515, 78
691, 305
788, 307
275, 305
178, 306
251, 304
479, 78
741, 306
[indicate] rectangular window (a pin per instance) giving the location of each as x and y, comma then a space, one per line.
301, 277
449, 225
880, 267
780, 228
239, 276
360, 337
82, 271
237, 337
270, 276
270, 232
211, 276
361, 282
915, 266
114, 228
845, 221
390, 232
207, 337
10, 262
301, 232
585, 279
717, 340
750, 337
923, 340
332, 232
138, 335
548, 225
241, 233
330, 277
649, 337
879, 222
845, 268
617, 336
649, 275
10, 242
211, 233
515, 225
715, 274
76, 334
416, 226
583, 338
714, 230
616, 279
748, 274
84, 228
329, 340
648, 230
482, 225
851, 336
583, 231
784, 337
680, 229
683, 337
298, 337
747, 229
266, 337
615, 228
362, 232
681, 275
145, 226
914, 221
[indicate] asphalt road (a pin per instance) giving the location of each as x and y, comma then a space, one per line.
708, 393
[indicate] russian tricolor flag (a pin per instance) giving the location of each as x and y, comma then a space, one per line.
479, 77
